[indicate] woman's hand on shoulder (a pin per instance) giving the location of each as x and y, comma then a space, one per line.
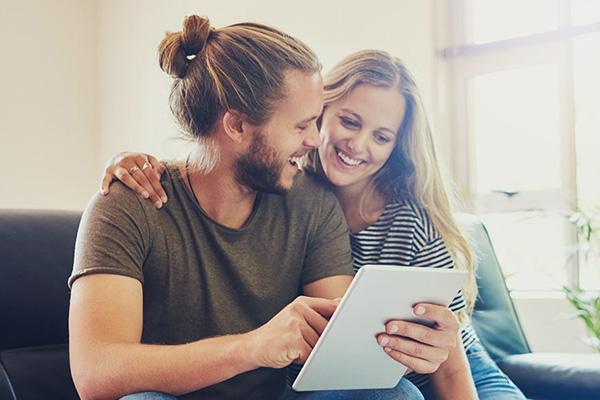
138, 171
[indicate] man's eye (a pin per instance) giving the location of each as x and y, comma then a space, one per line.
348, 123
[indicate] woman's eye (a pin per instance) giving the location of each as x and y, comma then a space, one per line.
349, 123
382, 138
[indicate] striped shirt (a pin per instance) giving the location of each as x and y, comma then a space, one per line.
405, 235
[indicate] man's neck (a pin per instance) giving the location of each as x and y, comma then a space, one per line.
221, 197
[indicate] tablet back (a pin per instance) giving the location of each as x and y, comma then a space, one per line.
347, 355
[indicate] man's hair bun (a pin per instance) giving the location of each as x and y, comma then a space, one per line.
178, 49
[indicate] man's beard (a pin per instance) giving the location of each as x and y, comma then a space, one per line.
260, 168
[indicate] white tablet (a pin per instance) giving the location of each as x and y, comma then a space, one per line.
347, 355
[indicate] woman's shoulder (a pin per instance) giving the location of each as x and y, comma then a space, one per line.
410, 212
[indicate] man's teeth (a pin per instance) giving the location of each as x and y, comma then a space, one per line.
348, 160
297, 160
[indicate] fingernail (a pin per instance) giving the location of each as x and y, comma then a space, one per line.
419, 310
384, 341
393, 328
158, 204
145, 195
103, 192
164, 199
387, 349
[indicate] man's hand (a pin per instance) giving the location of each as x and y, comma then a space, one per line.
419, 347
291, 334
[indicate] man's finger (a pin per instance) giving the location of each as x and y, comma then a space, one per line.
325, 307
310, 335
317, 321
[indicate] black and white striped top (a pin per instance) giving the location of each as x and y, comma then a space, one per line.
405, 235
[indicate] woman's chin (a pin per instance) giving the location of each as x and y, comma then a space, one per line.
339, 180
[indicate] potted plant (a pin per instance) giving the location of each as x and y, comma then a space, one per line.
587, 304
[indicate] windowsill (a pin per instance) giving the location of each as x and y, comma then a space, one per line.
540, 294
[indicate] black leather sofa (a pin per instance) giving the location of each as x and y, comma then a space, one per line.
36, 256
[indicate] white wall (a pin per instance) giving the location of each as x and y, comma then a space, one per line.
48, 128
549, 324
80, 80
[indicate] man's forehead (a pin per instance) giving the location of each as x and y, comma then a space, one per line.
304, 92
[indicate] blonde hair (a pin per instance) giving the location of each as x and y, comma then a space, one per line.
239, 67
412, 171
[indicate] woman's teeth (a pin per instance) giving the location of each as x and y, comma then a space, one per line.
347, 160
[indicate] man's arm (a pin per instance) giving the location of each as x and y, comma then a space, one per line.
332, 287
108, 361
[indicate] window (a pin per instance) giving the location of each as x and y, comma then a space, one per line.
523, 103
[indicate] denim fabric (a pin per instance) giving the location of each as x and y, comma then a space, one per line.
149, 396
404, 391
491, 383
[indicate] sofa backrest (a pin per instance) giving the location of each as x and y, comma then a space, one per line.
36, 258
494, 318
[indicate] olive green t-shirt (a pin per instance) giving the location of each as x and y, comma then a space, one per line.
202, 279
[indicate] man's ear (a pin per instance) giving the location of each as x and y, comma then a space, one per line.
236, 126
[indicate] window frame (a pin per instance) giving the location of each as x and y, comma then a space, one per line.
459, 61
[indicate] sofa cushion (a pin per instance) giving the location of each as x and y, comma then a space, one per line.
39, 372
550, 376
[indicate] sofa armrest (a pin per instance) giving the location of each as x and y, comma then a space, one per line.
6, 389
549, 376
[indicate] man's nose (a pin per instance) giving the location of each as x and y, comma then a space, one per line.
313, 138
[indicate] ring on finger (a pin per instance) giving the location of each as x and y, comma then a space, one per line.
146, 166
134, 169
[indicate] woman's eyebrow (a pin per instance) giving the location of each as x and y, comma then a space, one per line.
355, 115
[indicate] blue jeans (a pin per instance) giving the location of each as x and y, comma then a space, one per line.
404, 391
149, 396
491, 383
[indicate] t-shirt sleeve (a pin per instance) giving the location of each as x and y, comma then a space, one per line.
328, 252
113, 236
431, 252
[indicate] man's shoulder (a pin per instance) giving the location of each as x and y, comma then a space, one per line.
309, 188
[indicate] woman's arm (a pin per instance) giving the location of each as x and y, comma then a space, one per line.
453, 379
139, 172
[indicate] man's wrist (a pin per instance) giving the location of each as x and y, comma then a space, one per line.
245, 351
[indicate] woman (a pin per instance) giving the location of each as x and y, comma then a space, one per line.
379, 156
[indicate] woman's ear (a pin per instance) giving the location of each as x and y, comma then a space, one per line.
236, 126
